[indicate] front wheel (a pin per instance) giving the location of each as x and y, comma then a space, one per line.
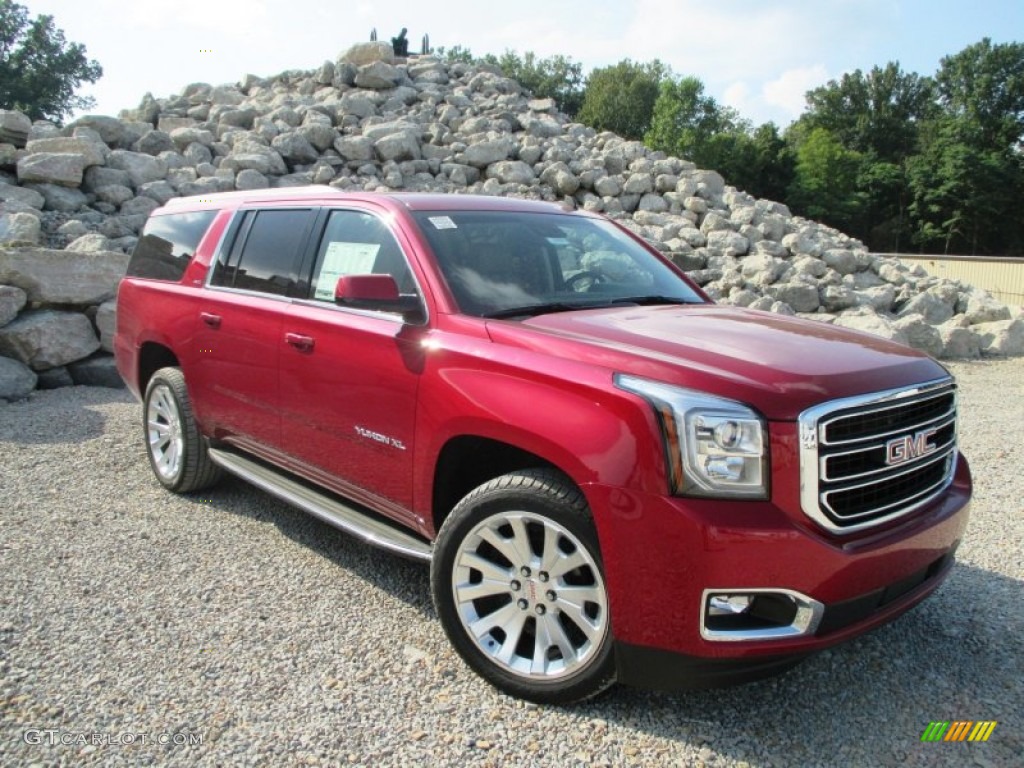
176, 448
519, 587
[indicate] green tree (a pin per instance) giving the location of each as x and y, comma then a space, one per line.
557, 77
690, 124
39, 69
877, 113
825, 186
621, 97
984, 84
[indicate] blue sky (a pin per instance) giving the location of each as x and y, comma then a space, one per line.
759, 57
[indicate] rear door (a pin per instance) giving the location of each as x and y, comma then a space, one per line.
239, 326
349, 384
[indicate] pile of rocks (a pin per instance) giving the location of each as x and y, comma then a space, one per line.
73, 200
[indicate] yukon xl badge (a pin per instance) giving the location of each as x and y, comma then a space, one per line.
900, 450
378, 437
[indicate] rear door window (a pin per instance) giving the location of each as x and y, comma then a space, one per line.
266, 253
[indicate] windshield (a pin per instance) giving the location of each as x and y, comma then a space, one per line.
497, 263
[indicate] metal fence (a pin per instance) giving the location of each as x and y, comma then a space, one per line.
1002, 277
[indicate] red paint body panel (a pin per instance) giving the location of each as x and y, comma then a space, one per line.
365, 405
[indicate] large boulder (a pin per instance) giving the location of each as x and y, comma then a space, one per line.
14, 127
46, 338
140, 167
65, 168
19, 229
63, 277
17, 380
378, 75
12, 299
92, 152
367, 53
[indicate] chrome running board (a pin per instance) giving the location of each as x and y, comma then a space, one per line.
330, 510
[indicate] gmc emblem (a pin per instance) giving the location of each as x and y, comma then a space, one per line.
900, 450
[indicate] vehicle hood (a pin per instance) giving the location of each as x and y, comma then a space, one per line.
780, 365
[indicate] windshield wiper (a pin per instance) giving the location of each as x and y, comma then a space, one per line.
648, 300
540, 309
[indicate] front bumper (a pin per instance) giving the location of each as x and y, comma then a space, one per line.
661, 553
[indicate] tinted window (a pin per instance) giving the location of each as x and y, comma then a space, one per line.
357, 243
266, 253
167, 244
498, 262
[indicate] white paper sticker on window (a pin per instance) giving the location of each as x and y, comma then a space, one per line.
443, 222
343, 259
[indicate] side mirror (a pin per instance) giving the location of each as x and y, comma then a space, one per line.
378, 293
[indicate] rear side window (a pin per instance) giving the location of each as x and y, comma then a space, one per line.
266, 253
167, 245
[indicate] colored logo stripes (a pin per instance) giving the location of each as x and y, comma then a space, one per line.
959, 730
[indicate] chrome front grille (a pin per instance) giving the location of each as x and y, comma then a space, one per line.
870, 459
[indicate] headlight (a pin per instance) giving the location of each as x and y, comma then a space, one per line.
715, 447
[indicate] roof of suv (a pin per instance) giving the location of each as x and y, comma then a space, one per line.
328, 195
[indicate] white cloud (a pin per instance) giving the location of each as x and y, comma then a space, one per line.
787, 91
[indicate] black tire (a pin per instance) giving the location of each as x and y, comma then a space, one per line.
532, 642
176, 448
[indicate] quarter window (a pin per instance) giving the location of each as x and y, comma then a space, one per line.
167, 245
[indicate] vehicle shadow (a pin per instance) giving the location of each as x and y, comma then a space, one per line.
55, 417
408, 580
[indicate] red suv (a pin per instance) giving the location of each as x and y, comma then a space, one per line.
611, 477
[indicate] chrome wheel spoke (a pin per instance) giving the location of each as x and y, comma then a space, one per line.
513, 630
550, 633
568, 562
509, 548
578, 596
468, 591
488, 568
500, 618
592, 628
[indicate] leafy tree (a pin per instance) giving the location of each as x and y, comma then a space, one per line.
621, 97
877, 113
455, 53
685, 118
557, 77
984, 84
39, 69
825, 186
691, 124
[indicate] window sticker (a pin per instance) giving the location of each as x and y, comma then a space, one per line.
343, 259
443, 222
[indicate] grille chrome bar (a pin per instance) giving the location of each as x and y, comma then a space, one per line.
870, 459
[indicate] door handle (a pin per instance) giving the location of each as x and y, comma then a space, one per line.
210, 319
300, 342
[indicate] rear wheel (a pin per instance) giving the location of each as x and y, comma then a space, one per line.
176, 448
519, 587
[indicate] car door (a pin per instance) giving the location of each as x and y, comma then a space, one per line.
348, 389
238, 341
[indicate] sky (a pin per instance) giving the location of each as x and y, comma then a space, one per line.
758, 57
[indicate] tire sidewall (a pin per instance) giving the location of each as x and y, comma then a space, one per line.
162, 377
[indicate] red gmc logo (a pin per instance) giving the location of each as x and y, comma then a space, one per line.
903, 449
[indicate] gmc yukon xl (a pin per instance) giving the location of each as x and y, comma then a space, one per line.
611, 477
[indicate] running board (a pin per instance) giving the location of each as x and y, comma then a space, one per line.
330, 510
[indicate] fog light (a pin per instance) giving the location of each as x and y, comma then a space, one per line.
728, 605
758, 614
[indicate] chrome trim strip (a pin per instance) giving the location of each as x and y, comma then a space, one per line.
331, 511
808, 615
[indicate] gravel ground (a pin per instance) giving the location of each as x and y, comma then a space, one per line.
233, 630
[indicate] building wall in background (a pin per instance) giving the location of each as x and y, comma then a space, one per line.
1002, 277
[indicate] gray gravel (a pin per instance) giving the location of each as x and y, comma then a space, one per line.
236, 622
